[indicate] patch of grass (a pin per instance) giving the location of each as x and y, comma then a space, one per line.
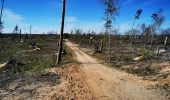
27, 61
147, 55
68, 57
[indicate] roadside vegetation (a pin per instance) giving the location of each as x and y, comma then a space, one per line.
138, 58
122, 53
28, 69
31, 54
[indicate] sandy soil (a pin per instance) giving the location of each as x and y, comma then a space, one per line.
68, 83
110, 84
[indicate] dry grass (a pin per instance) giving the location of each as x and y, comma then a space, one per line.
26, 60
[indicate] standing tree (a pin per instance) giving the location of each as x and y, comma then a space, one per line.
62, 31
157, 19
137, 16
143, 28
1, 24
111, 11
143, 35
132, 34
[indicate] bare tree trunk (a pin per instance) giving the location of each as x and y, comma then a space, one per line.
62, 31
109, 47
166, 39
132, 30
151, 38
101, 45
20, 37
107, 28
132, 37
1, 24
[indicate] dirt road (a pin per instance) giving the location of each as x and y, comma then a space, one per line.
110, 84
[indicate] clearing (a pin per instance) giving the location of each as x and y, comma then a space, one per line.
85, 80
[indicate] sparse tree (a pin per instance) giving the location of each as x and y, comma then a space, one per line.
62, 32
137, 17
158, 20
143, 28
16, 29
111, 12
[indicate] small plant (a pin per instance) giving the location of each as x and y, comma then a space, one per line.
147, 55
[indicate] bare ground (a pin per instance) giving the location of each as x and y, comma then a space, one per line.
87, 80
110, 84
66, 83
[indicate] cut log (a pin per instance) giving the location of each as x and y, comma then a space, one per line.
138, 58
3, 65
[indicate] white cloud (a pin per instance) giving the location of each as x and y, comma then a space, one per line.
53, 3
150, 2
11, 17
71, 19
45, 29
97, 26
124, 27
72, 23
128, 1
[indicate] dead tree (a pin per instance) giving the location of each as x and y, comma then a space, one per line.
1, 23
158, 20
137, 16
143, 29
165, 43
62, 32
101, 45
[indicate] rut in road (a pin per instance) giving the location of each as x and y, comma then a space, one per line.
110, 84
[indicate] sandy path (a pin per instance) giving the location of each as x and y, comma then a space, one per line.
67, 83
110, 84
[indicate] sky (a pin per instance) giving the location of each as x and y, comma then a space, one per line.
45, 15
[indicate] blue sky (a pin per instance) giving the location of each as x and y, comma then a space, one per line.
45, 15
